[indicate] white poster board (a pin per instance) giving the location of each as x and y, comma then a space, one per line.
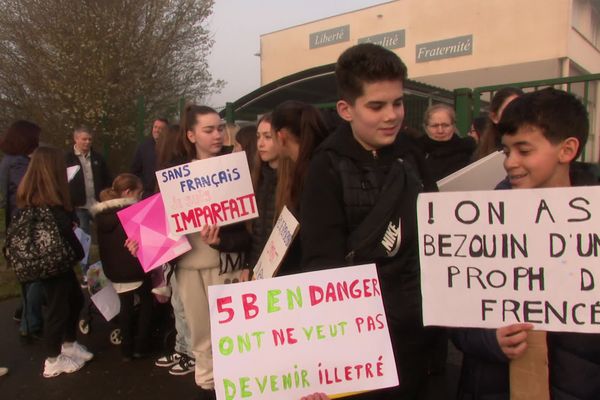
214, 191
277, 245
86, 242
493, 258
483, 174
287, 337
107, 302
72, 171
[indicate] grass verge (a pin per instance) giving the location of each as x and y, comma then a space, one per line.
9, 286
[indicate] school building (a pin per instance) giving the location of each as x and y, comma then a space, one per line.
457, 44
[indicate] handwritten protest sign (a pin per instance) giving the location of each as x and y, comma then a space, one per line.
214, 191
493, 258
290, 336
279, 241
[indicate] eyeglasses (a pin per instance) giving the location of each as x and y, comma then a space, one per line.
443, 126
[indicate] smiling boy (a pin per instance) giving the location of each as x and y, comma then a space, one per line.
543, 133
542, 136
359, 201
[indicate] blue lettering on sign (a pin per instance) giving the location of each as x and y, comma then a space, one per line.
284, 231
175, 173
214, 180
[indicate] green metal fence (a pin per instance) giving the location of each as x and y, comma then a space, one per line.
470, 103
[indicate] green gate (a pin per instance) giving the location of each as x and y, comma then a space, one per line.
470, 103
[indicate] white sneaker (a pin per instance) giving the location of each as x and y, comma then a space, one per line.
185, 366
62, 364
168, 360
3, 371
77, 351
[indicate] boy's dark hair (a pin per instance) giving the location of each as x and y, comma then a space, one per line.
558, 114
366, 63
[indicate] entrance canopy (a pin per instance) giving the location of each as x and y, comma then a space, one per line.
317, 86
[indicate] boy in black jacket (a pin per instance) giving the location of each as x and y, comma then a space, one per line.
359, 202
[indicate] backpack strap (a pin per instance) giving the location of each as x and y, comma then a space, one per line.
395, 203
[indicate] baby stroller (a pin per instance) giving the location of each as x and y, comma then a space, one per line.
102, 300
99, 286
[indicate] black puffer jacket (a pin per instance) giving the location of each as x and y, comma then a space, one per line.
484, 372
444, 158
343, 185
117, 262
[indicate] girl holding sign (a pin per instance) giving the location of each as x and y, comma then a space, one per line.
264, 179
124, 270
300, 129
202, 137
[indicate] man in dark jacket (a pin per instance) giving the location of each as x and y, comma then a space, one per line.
92, 177
359, 202
144, 160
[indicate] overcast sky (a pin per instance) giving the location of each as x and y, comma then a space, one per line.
237, 26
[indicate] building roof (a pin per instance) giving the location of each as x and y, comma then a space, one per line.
314, 86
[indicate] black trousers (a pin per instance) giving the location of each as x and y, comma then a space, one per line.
136, 333
64, 301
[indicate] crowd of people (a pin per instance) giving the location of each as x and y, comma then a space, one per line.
345, 186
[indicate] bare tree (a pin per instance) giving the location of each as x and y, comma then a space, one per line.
65, 63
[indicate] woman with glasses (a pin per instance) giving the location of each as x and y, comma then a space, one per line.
445, 151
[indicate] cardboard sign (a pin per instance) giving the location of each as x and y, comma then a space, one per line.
214, 191
145, 223
287, 337
494, 258
529, 375
277, 245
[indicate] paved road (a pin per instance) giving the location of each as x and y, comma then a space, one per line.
107, 377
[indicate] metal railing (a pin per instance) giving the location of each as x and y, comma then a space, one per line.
469, 103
